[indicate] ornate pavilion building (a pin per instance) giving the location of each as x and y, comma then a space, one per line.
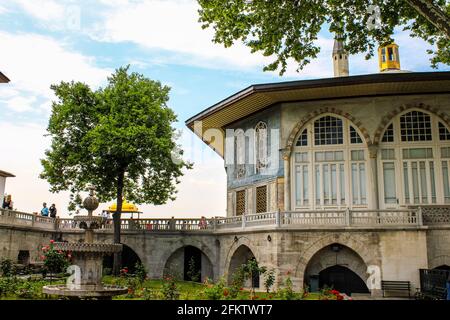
372, 145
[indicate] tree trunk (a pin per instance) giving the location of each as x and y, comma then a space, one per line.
432, 13
117, 264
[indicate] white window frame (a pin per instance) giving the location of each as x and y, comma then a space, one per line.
311, 149
435, 144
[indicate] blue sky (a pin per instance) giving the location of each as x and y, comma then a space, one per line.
46, 41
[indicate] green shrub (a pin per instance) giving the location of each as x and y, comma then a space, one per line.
269, 280
141, 273
287, 293
169, 288
192, 273
7, 267
55, 261
215, 291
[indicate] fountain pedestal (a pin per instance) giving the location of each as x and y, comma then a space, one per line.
87, 259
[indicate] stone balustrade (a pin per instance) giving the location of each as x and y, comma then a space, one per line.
411, 217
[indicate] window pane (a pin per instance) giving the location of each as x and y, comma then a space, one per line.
406, 182
418, 153
388, 134
415, 181
415, 126
390, 195
444, 134
387, 154
357, 155
301, 157
362, 182
445, 152
333, 184
355, 183
354, 136
326, 184
446, 183
342, 182
328, 130
303, 139
318, 193
423, 182
305, 185
433, 184
298, 185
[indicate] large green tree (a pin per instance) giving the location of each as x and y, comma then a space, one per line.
287, 29
119, 138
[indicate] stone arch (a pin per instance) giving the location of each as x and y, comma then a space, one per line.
439, 261
337, 259
129, 258
240, 256
367, 255
387, 119
180, 259
239, 241
310, 116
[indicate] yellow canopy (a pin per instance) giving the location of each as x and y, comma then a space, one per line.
126, 207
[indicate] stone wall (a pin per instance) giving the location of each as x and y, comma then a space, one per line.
398, 253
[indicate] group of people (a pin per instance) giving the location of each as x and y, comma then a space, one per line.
49, 212
7, 202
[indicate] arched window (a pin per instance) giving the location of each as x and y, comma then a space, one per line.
414, 161
329, 165
261, 146
240, 153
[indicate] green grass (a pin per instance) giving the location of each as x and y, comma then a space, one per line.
18, 289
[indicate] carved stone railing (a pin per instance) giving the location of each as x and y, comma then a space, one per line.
18, 218
435, 215
313, 218
409, 217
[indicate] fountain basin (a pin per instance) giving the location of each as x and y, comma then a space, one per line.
85, 291
77, 247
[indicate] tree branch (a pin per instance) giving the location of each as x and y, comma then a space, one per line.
432, 13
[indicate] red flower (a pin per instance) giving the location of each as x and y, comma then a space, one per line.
52, 241
226, 292
340, 297
42, 257
335, 292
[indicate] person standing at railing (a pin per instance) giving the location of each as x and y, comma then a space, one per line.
53, 211
7, 202
44, 210
202, 224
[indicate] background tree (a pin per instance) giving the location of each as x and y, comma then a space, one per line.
287, 29
118, 138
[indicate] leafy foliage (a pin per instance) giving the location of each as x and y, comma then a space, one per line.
118, 138
55, 261
7, 267
193, 273
289, 29
269, 280
140, 272
125, 126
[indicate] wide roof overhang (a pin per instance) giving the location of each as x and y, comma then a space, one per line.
260, 96
6, 174
3, 78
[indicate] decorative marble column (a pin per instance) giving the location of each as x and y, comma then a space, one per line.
373, 169
287, 180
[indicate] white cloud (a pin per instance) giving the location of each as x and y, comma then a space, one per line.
26, 145
33, 62
173, 26
20, 104
46, 10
